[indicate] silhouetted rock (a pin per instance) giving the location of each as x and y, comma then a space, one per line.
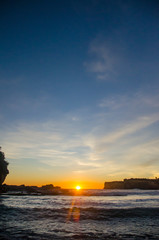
3, 167
132, 183
33, 190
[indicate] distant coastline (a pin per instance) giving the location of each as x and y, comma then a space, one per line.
134, 183
50, 189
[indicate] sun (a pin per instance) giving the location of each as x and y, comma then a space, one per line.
78, 188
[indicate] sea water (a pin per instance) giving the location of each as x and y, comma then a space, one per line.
105, 214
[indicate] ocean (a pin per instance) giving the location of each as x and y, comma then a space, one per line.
105, 214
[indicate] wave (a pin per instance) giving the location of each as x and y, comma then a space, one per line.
78, 223
84, 213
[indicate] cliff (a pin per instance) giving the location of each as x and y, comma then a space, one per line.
132, 183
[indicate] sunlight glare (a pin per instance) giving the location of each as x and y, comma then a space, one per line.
78, 188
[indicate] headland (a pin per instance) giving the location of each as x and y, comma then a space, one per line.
134, 183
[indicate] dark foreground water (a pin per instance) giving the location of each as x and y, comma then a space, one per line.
113, 214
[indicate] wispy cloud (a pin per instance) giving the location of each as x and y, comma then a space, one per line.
96, 143
150, 163
53, 143
135, 100
105, 59
127, 129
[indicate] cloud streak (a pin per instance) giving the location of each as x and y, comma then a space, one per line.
105, 59
97, 144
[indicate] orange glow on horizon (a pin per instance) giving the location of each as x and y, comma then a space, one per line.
19, 179
62, 184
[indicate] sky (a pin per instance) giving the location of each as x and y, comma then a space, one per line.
79, 91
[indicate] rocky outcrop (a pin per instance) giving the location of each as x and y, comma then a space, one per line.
48, 189
3, 167
132, 183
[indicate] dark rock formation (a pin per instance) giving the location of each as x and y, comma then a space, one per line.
48, 189
3, 167
132, 183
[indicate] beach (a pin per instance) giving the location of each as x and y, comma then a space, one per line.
105, 214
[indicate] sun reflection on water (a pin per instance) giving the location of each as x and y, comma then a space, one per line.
74, 212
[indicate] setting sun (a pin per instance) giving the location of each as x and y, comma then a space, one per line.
78, 187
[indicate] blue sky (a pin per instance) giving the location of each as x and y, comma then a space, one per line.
79, 94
